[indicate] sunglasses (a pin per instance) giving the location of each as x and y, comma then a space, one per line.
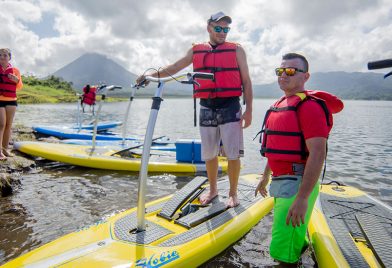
290, 71
219, 29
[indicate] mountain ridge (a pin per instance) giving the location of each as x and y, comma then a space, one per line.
93, 68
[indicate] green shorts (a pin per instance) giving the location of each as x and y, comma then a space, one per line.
287, 241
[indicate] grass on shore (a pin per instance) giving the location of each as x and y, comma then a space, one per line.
49, 90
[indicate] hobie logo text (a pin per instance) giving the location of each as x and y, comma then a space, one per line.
155, 262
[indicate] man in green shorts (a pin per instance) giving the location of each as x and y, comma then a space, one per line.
295, 132
221, 118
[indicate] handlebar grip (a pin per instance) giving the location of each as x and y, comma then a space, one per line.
205, 76
380, 64
141, 84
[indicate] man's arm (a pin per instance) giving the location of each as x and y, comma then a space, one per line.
247, 86
313, 167
172, 68
264, 180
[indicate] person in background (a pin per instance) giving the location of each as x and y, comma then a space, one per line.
89, 96
295, 132
10, 82
220, 109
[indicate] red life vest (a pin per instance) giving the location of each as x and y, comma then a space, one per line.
283, 139
89, 96
222, 62
7, 86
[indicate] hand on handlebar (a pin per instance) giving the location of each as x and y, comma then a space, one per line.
144, 80
141, 81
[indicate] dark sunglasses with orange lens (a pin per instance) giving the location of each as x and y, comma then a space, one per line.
290, 71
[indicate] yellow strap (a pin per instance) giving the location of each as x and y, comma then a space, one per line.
301, 95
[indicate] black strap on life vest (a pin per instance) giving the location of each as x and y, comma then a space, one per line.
3, 90
6, 90
262, 127
325, 108
213, 70
215, 50
325, 163
304, 154
265, 132
4, 82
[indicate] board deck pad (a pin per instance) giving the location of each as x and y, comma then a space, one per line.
181, 196
216, 207
203, 214
124, 226
246, 197
200, 222
123, 230
341, 215
379, 242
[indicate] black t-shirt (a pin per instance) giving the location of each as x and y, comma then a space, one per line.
219, 103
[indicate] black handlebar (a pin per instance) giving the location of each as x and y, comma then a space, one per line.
380, 64
206, 76
189, 76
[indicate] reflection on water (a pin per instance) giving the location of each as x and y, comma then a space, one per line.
360, 148
62, 199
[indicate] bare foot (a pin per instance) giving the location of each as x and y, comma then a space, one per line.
207, 197
7, 153
3, 157
232, 201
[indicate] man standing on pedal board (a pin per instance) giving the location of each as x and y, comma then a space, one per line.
220, 117
294, 140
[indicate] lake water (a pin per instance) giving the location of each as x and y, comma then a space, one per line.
60, 199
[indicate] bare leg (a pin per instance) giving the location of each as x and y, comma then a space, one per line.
9, 113
2, 128
234, 167
212, 173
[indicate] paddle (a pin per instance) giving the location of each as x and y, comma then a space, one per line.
134, 147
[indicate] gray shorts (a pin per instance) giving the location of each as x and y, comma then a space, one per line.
221, 126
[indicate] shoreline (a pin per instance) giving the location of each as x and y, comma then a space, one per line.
12, 169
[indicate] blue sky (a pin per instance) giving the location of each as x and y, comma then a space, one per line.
335, 35
44, 27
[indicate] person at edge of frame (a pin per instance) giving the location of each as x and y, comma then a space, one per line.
10, 83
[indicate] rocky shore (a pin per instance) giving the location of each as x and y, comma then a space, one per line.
12, 169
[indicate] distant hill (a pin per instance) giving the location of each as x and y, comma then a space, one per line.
365, 86
92, 68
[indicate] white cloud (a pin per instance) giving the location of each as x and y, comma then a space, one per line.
23, 11
334, 35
